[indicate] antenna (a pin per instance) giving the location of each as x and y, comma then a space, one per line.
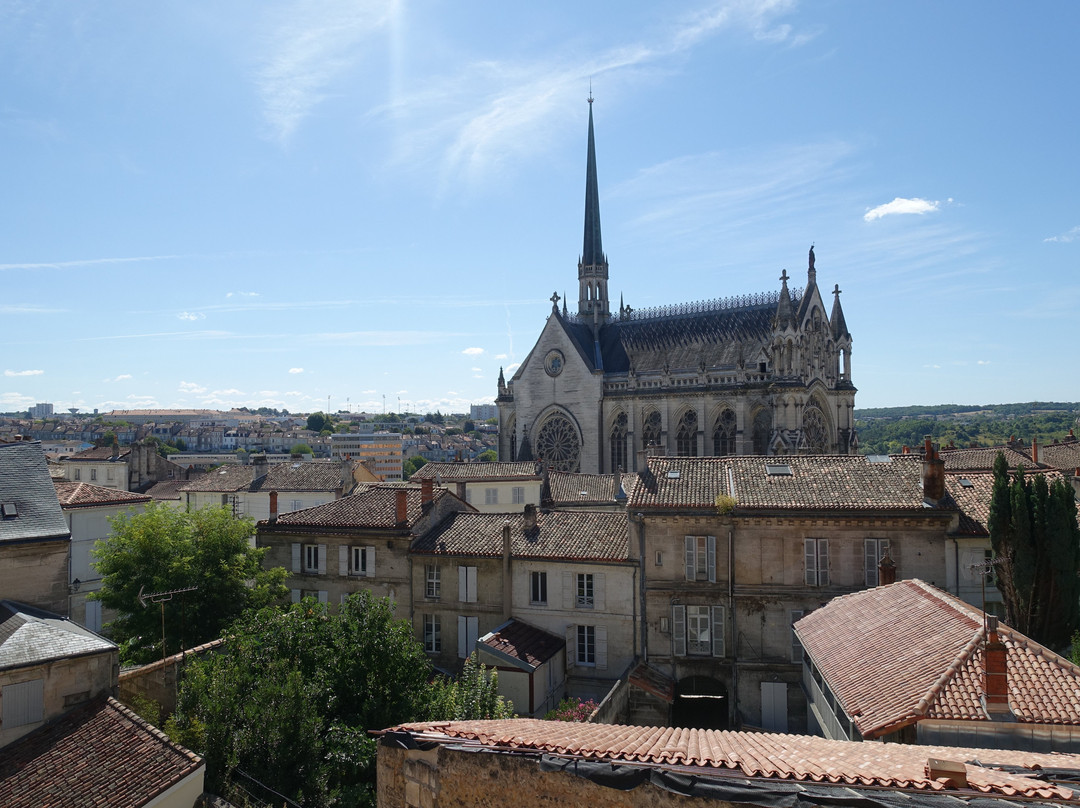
162, 598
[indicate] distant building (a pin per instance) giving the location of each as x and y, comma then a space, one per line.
41, 411
482, 412
489, 487
384, 450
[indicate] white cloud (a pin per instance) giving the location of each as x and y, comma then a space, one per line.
901, 205
26, 308
473, 351
511, 368
119, 378
477, 370
983, 362
191, 387
192, 316
500, 356
15, 401
86, 262
296, 370
241, 294
1069, 235
24, 372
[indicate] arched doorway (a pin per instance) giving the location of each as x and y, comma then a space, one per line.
701, 702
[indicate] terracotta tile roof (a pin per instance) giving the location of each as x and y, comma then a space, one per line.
100, 754
1064, 456
84, 495
370, 506
498, 470
528, 645
577, 535
165, 490
588, 489
972, 490
721, 754
816, 482
312, 475
101, 453
982, 459
900, 653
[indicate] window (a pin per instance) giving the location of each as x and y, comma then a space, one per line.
697, 630
297, 504
467, 584
989, 570
873, 550
468, 630
817, 562
686, 435
362, 561
432, 582
585, 590
491, 496
311, 558
538, 587
518, 495
23, 703
432, 633
618, 442
78, 474
650, 430
586, 645
700, 558
724, 434
761, 431
93, 474
108, 474
796, 646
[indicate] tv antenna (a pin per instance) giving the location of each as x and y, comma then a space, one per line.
162, 598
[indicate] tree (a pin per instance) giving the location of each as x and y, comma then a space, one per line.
488, 455
301, 449
317, 422
292, 695
1036, 544
413, 465
473, 695
163, 549
468, 426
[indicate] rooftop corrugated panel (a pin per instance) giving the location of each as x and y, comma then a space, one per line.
900, 653
581, 535
31, 510
816, 482
29, 636
76, 495
718, 753
100, 754
524, 642
497, 470
371, 506
579, 489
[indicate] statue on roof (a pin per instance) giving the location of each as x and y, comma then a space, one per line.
811, 256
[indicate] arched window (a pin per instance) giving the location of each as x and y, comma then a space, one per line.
650, 430
512, 428
618, 442
724, 434
557, 443
686, 435
815, 430
761, 431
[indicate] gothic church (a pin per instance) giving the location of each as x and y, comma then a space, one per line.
764, 374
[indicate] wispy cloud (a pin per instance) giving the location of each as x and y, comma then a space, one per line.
296, 370
120, 378
901, 205
1069, 235
25, 308
23, 372
86, 262
473, 351
192, 316
241, 294
191, 387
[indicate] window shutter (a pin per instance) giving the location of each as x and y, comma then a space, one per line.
568, 591
601, 647
462, 585
571, 647
344, 597
598, 590
295, 593
343, 560
323, 596
823, 562
717, 630
711, 557
690, 565
811, 561
470, 582
322, 559
462, 642
796, 645
369, 561
296, 557
678, 631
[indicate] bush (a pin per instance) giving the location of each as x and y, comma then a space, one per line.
572, 709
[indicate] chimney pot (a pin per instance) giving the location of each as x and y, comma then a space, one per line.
427, 490
530, 517
995, 672
273, 506
402, 506
1034, 450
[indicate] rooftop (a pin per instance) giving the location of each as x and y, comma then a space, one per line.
30, 636
29, 509
453, 472
371, 506
569, 489
312, 475
522, 644
84, 495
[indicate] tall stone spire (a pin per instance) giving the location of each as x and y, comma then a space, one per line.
593, 266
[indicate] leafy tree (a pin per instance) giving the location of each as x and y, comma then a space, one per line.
1036, 543
473, 695
488, 455
302, 449
318, 422
108, 439
163, 549
413, 465
435, 418
468, 426
291, 697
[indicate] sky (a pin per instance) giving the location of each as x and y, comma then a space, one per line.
367, 205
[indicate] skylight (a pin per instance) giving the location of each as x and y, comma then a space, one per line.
878, 459
966, 483
778, 470
673, 474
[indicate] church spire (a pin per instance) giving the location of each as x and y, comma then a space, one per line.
593, 266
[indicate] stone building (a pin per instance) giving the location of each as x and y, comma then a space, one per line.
765, 373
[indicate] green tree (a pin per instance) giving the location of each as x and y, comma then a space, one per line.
317, 422
488, 455
291, 697
301, 449
472, 695
1036, 544
413, 465
163, 549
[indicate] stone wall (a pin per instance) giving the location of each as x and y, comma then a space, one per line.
157, 682
35, 573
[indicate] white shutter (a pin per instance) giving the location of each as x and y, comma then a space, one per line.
678, 631
601, 647
571, 647
462, 584
711, 557
568, 594
343, 560
823, 562
296, 557
344, 597
369, 561
322, 559
295, 593
691, 567
717, 630
23, 703
462, 643
811, 561
470, 582
323, 596
598, 590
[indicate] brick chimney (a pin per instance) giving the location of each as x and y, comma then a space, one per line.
427, 491
906, 450
933, 473
508, 578
401, 503
530, 517
886, 569
1034, 450
273, 507
995, 695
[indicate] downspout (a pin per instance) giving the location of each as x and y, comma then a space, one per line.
640, 519
956, 557
731, 609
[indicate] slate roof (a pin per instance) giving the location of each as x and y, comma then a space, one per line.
523, 644
85, 495
816, 482
312, 475
587, 489
26, 484
101, 754
496, 470
30, 636
737, 755
369, 507
898, 654
982, 459
561, 535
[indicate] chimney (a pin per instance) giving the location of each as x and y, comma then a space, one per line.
508, 589
260, 465
346, 476
461, 491
906, 450
273, 507
886, 569
427, 491
402, 507
1035, 450
995, 673
530, 518
115, 450
933, 474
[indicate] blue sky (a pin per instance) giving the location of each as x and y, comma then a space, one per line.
270, 203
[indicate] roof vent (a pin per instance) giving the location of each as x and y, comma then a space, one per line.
966, 483
9, 510
673, 474
778, 470
878, 459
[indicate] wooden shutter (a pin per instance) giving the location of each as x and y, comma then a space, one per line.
690, 544
811, 561
343, 560
323, 596
598, 590
678, 631
568, 590
823, 562
717, 630
711, 557
571, 646
322, 559
601, 648
462, 585
369, 562
296, 557
796, 645
462, 642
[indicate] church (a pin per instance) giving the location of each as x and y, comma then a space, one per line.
763, 374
